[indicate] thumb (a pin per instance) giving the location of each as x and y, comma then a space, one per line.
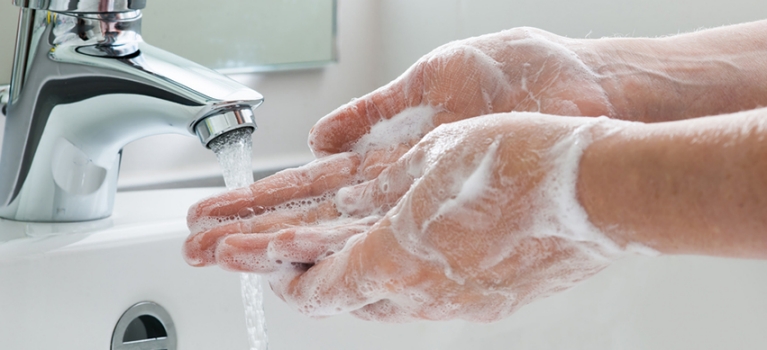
338, 131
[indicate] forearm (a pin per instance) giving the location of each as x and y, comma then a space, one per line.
709, 72
687, 187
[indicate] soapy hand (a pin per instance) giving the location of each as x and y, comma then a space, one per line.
522, 69
476, 220
402, 218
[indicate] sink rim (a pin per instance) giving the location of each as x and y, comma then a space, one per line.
139, 216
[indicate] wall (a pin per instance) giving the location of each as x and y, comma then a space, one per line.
379, 39
241, 33
9, 16
411, 29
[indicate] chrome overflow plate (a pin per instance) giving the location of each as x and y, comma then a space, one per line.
144, 326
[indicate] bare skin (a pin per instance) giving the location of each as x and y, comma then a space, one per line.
691, 187
710, 72
386, 239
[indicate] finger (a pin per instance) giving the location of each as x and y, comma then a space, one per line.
446, 117
311, 244
377, 196
384, 311
252, 253
311, 180
339, 130
377, 160
370, 267
199, 247
246, 253
323, 289
334, 285
266, 253
282, 277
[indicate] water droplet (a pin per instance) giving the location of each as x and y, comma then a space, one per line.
246, 213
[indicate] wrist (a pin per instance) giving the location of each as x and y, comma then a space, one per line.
600, 192
686, 187
628, 69
562, 187
684, 76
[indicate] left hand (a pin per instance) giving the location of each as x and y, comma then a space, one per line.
520, 69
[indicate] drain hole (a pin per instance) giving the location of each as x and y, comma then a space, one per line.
144, 328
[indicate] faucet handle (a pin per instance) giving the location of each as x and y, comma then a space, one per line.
5, 93
82, 6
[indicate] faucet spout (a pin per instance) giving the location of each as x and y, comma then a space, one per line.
84, 85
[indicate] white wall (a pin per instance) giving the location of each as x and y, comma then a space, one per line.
411, 28
9, 16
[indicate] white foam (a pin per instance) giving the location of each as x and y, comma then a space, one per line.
466, 185
566, 218
553, 206
411, 124
472, 186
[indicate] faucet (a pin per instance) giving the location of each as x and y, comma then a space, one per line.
84, 84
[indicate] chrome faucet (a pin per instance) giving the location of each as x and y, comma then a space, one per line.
84, 84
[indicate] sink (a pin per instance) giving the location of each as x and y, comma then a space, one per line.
65, 286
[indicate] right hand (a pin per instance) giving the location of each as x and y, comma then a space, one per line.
478, 219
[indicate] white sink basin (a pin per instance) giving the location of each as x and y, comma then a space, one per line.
67, 291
